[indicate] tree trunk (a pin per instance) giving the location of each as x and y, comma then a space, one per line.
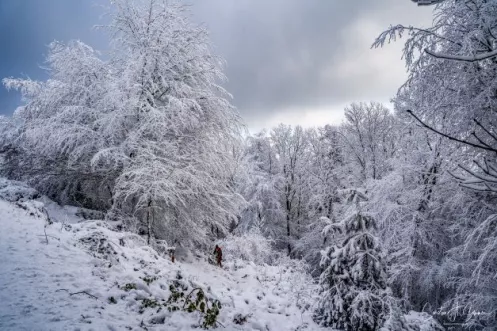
150, 219
330, 209
288, 233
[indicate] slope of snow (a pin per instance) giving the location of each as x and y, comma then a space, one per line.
76, 280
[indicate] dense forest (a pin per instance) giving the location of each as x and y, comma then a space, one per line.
391, 211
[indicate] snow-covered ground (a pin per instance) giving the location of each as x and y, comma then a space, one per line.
76, 274
77, 280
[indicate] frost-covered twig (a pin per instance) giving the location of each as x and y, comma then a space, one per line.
189, 294
84, 292
474, 58
47, 235
75, 293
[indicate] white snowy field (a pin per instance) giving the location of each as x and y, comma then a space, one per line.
77, 280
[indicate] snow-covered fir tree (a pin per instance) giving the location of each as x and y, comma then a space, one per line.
354, 290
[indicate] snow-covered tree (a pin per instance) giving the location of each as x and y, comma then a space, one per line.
368, 136
171, 127
451, 80
450, 93
326, 169
148, 133
354, 290
291, 148
58, 128
326, 174
411, 205
261, 187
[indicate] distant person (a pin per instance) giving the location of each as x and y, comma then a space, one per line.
219, 256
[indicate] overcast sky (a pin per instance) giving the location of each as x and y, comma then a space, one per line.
291, 61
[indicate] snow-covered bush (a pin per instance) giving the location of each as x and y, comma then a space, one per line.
295, 273
90, 214
99, 245
194, 301
12, 191
251, 246
423, 321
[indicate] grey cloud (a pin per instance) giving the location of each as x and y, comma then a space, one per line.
287, 54
284, 56
278, 48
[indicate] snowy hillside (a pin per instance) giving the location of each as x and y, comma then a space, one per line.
89, 277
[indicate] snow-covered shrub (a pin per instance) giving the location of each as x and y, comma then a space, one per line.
12, 191
33, 208
90, 214
162, 248
99, 245
251, 246
395, 320
424, 321
194, 301
295, 273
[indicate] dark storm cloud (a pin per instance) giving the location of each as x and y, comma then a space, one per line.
285, 57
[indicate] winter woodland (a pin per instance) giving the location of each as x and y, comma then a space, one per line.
388, 212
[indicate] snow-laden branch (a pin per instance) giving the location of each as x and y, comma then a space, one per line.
487, 148
475, 58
